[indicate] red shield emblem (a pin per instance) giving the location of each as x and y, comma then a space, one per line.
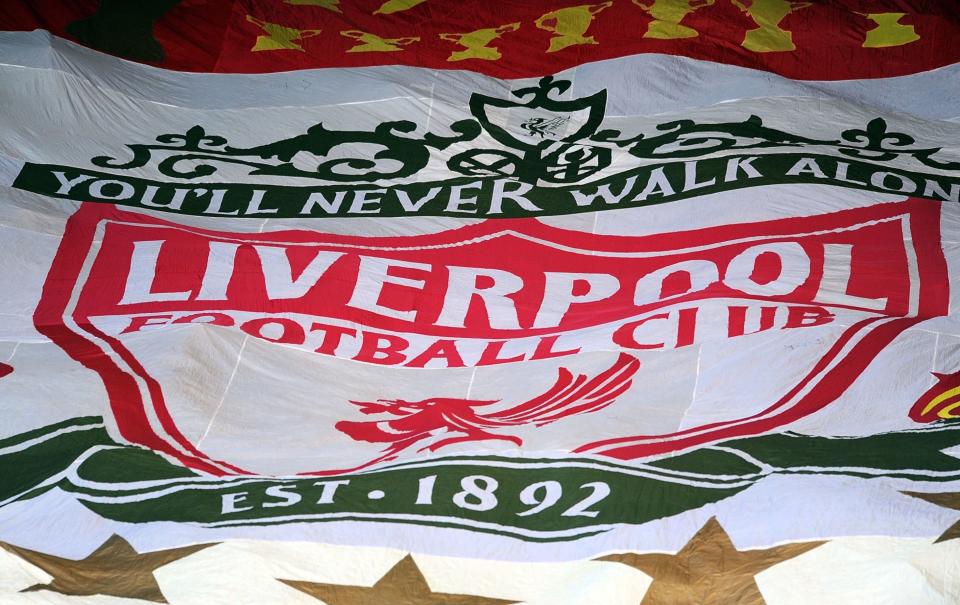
654, 343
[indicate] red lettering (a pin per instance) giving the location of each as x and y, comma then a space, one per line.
686, 326
545, 350
445, 349
332, 335
385, 349
737, 320
491, 354
136, 323
805, 317
217, 319
624, 334
287, 331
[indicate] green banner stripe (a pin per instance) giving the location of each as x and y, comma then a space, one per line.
486, 197
529, 498
656, 468
29, 467
451, 523
535, 500
52, 428
887, 451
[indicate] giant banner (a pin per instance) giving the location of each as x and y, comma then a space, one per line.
393, 302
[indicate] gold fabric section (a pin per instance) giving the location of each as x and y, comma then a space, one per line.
708, 569
114, 569
404, 584
946, 500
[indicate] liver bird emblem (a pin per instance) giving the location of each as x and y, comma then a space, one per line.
544, 126
441, 421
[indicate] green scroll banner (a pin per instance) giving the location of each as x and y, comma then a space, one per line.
526, 498
486, 197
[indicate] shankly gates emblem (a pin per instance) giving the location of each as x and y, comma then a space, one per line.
477, 300
558, 158
539, 138
535, 153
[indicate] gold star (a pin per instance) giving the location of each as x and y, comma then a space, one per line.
708, 569
114, 569
402, 585
946, 500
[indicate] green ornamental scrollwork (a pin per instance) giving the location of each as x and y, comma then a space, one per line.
553, 141
535, 157
876, 143
196, 153
412, 154
689, 139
